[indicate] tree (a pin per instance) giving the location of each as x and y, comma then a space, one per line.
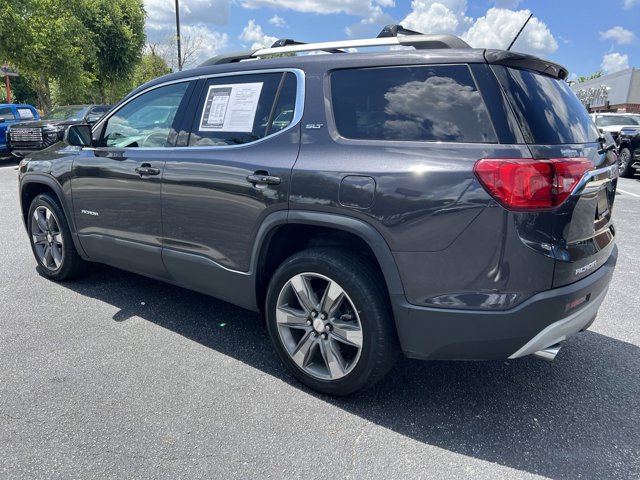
190, 47
151, 66
597, 74
117, 31
45, 40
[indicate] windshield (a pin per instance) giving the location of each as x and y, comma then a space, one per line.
71, 112
609, 120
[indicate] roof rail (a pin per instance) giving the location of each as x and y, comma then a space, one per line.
286, 45
394, 30
283, 42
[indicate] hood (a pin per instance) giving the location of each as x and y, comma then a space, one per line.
47, 123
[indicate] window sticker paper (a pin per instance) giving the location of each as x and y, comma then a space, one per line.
231, 108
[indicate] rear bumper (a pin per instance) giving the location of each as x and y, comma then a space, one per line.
541, 321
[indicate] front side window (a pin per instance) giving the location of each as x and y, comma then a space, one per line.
421, 103
241, 109
146, 121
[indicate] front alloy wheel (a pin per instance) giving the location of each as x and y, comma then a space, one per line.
47, 238
624, 163
51, 240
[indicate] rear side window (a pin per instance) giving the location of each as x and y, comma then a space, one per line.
423, 103
26, 114
547, 110
241, 109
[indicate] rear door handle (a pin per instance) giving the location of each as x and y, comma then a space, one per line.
260, 178
147, 169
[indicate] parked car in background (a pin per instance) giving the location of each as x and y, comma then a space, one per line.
26, 137
629, 150
613, 123
11, 113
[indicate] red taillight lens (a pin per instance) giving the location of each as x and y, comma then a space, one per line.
529, 184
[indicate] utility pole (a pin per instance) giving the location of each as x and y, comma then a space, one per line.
178, 35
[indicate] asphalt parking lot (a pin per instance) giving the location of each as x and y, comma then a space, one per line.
119, 376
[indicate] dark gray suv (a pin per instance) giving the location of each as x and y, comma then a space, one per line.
444, 202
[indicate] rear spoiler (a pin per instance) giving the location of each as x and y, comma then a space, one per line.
528, 62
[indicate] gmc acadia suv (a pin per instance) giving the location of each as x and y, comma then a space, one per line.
444, 202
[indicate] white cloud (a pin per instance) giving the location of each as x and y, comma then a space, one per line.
507, 3
629, 4
162, 12
614, 62
443, 16
360, 8
206, 42
376, 17
253, 33
499, 26
278, 21
619, 35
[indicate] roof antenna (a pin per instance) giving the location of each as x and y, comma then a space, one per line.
519, 32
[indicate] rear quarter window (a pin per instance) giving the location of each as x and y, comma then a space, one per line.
421, 103
547, 109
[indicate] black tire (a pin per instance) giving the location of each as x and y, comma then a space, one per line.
53, 235
624, 163
364, 305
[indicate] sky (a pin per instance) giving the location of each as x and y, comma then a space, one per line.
583, 35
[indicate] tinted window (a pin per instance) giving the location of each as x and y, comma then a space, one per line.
70, 112
609, 120
434, 103
240, 109
546, 108
145, 121
7, 113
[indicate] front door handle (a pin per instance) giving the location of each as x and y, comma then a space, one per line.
260, 178
147, 169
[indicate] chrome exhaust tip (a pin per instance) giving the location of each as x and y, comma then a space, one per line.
548, 353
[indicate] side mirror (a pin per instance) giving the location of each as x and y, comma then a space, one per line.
2, 119
93, 117
78, 136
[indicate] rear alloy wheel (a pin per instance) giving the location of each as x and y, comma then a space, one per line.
330, 321
624, 163
51, 241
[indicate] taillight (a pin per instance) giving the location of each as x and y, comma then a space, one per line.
529, 184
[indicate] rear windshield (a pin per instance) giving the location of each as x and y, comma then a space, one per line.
548, 111
611, 120
422, 103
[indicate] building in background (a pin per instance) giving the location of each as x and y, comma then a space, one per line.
616, 92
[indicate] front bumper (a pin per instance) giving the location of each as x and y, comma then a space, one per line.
541, 321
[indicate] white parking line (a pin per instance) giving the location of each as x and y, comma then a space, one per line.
628, 193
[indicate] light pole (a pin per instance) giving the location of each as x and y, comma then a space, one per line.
178, 35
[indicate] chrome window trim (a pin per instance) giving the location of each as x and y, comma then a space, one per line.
297, 115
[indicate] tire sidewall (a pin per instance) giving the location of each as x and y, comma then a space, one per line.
370, 311
627, 168
46, 201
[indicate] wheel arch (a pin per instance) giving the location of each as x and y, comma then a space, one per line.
286, 234
33, 185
